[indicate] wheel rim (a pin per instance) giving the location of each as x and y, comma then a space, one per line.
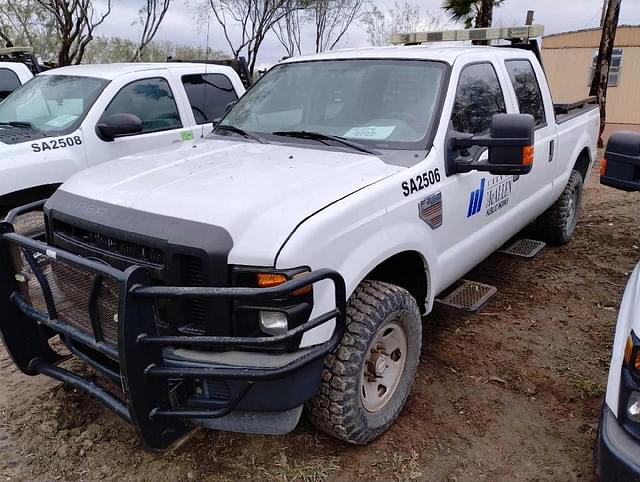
383, 369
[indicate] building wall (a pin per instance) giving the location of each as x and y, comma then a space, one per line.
567, 60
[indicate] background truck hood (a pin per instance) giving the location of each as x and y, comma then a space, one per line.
259, 193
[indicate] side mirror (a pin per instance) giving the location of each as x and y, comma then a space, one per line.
510, 142
620, 167
118, 125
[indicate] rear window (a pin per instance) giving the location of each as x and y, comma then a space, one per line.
209, 95
8, 82
527, 89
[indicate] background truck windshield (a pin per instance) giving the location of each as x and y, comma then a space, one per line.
388, 104
54, 104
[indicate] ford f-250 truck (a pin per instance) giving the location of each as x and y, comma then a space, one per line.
287, 259
617, 450
70, 118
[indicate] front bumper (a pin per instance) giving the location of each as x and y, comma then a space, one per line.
617, 454
157, 373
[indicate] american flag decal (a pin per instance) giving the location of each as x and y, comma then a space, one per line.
430, 210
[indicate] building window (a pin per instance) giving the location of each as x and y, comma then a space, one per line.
614, 68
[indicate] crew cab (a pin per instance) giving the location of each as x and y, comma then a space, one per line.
12, 76
286, 260
617, 449
71, 118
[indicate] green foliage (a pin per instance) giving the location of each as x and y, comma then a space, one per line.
466, 11
104, 50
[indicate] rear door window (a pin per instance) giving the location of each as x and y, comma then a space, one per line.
8, 82
149, 99
527, 89
478, 98
209, 95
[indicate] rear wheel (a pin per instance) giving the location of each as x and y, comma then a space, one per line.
558, 223
366, 381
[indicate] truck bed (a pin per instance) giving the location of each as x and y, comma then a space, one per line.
565, 112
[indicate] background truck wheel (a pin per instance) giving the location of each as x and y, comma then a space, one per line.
366, 381
558, 223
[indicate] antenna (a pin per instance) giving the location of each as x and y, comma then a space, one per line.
206, 67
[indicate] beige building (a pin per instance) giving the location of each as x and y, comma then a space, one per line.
569, 58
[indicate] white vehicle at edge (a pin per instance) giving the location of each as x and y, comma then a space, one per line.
12, 76
58, 123
365, 166
617, 451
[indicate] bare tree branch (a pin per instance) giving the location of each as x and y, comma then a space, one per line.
151, 16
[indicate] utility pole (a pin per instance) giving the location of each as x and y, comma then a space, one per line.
604, 12
601, 72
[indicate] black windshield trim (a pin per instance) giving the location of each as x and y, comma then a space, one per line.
426, 143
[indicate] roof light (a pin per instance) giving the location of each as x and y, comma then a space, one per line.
16, 50
525, 32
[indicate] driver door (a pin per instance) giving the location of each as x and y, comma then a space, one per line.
153, 101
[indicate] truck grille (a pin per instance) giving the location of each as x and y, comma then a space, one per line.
134, 251
71, 290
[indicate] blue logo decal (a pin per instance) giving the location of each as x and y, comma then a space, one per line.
475, 200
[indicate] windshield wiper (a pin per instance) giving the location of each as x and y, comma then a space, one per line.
242, 132
318, 136
25, 124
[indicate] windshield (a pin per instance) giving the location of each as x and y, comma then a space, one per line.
54, 104
386, 104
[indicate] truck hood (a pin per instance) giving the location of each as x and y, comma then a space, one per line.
258, 193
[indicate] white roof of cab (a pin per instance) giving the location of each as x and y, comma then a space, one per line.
419, 52
111, 71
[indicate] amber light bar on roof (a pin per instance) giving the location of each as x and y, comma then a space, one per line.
525, 32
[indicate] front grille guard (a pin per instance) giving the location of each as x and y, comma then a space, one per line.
146, 401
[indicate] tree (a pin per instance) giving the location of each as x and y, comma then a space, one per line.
600, 79
75, 22
468, 11
255, 18
24, 22
150, 17
402, 17
288, 31
332, 19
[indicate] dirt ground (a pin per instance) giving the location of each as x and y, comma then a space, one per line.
508, 394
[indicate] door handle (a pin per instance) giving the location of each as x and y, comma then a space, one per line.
551, 149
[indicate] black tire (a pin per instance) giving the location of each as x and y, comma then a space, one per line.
557, 225
338, 409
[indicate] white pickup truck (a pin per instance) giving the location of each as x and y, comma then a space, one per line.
71, 118
287, 259
12, 76
617, 450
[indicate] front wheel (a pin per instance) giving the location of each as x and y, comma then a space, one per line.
366, 381
558, 223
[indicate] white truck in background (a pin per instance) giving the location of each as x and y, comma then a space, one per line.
12, 76
70, 118
287, 259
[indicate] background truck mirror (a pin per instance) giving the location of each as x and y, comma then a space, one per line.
621, 164
510, 143
118, 125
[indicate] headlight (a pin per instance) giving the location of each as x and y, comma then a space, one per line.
633, 407
631, 353
273, 322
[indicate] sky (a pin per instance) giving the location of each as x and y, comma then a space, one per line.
182, 25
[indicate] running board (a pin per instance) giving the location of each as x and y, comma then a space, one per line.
468, 296
523, 248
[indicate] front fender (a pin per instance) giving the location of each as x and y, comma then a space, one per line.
628, 319
353, 243
27, 165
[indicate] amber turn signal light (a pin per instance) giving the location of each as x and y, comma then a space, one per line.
603, 166
269, 280
527, 155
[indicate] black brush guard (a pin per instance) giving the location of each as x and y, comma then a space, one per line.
145, 400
